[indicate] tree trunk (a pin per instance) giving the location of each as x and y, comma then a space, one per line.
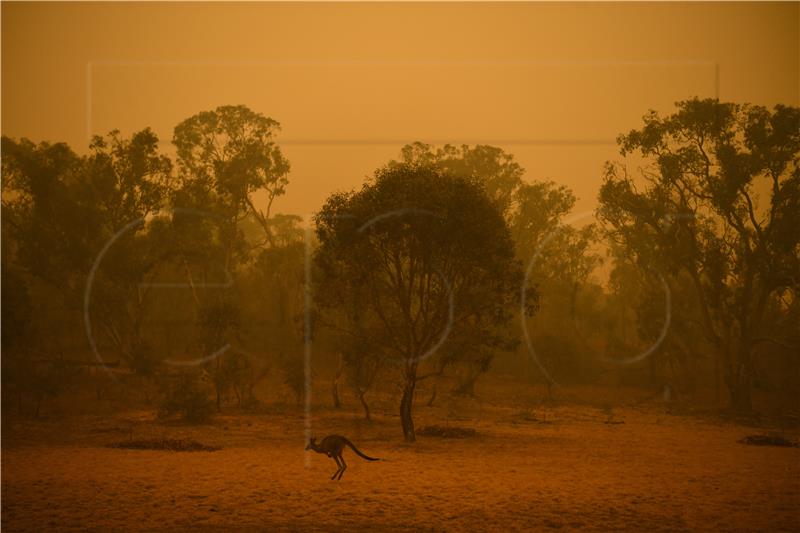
717, 376
363, 400
218, 382
739, 386
652, 370
433, 396
740, 397
337, 402
146, 387
466, 386
406, 404
739, 378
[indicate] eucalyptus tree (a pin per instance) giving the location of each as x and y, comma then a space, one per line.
429, 256
559, 257
80, 228
227, 156
494, 168
718, 201
228, 162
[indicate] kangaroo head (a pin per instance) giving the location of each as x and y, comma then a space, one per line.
312, 444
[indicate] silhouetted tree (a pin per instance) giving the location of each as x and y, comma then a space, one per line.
432, 256
559, 260
229, 154
720, 203
63, 211
225, 157
502, 179
534, 211
495, 169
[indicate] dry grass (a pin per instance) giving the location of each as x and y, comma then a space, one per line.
655, 472
445, 432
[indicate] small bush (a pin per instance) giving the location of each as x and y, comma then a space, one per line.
251, 404
447, 432
173, 445
769, 440
189, 399
294, 375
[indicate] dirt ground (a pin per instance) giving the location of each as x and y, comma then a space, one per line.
528, 468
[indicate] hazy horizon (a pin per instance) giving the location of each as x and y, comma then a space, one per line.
351, 83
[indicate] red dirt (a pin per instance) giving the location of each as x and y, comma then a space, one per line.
655, 472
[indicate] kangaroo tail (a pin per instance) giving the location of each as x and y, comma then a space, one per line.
359, 452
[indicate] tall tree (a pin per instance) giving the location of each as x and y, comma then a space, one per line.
559, 261
719, 202
535, 212
228, 155
433, 258
67, 212
227, 158
497, 170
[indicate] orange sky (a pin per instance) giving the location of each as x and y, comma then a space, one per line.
552, 83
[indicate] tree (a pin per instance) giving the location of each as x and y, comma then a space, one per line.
559, 261
17, 331
278, 277
534, 211
719, 203
497, 171
219, 325
655, 319
226, 157
502, 179
432, 256
360, 350
66, 213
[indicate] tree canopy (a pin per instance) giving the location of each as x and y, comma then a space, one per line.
718, 201
431, 259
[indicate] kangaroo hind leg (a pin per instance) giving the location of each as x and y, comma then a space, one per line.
344, 467
338, 467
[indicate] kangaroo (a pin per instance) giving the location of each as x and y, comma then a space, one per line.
333, 446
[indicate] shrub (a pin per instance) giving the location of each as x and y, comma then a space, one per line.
187, 397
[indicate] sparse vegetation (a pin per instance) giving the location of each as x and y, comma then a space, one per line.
172, 445
769, 440
188, 397
447, 432
569, 370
